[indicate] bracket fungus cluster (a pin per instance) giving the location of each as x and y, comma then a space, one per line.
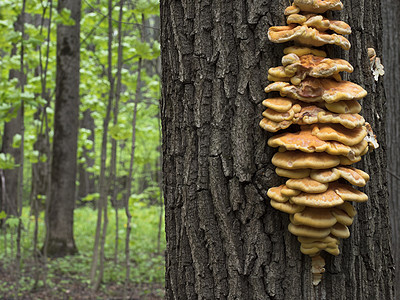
331, 135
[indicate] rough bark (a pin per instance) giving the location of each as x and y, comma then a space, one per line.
391, 61
66, 121
224, 240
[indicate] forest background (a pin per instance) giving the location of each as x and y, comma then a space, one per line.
119, 244
119, 129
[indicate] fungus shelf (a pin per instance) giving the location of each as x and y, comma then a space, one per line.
316, 160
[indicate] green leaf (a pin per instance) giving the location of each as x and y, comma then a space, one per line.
4, 23
33, 156
147, 7
43, 158
16, 141
12, 222
143, 49
88, 144
64, 17
12, 36
35, 42
119, 132
27, 96
41, 197
3, 215
91, 197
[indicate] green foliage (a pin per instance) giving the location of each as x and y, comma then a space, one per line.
147, 7
91, 197
12, 222
6, 161
38, 98
64, 18
40, 71
3, 215
120, 131
17, 141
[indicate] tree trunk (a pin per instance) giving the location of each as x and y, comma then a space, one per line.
224, 240
66, 121
102, 208
9, 181
86, 179
40, 171
130, 176
391, 61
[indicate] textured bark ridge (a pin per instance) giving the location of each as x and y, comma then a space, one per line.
224, 240
391, 60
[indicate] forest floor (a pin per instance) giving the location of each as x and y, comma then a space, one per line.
60, 286
68, 277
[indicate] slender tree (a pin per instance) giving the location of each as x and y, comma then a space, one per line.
114, 142
224, 240
130, 177
22, 131
86, 178
160, 185
60, 215
391, 61
41, 169
21, 115
102, 209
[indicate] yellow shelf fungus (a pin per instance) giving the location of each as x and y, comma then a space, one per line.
332, 136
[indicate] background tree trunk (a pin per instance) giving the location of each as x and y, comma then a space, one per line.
40, 186
9, 182
66, 121
40, 171
10, 189
86, 179
391, 61
224, 240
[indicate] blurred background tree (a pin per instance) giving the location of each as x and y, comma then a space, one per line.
47, 94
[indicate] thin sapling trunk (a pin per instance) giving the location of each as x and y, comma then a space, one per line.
102, 206
128, 194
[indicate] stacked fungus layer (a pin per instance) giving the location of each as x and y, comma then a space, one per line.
328, 133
